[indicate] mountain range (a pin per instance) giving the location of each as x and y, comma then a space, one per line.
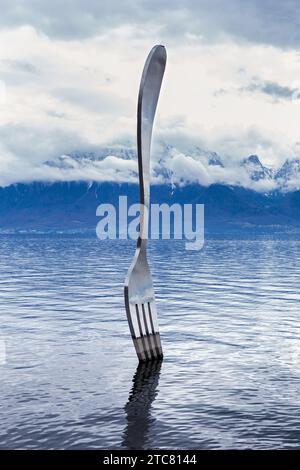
270, 199
194, 165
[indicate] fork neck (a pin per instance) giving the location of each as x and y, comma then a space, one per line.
143, 145
147, 101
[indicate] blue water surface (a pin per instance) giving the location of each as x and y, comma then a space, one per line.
230, 326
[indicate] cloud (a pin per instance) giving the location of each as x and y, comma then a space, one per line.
119, 163
36, 143
266, 22
20, 65
25, 149
101, 102
205, 168
72, 75
273, 89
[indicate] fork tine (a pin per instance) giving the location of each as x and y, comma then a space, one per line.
134, 328
149, 332
139, 347
143, 331
154, 327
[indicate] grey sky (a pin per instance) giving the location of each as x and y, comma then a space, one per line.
69, 76
273, 89
273, 22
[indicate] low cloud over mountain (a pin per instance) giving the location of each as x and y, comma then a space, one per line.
170, 165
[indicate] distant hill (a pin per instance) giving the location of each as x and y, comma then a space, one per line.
237, 195
72, 205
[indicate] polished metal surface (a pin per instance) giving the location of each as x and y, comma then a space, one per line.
138, 291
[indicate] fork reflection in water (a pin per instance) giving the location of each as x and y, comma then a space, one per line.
138, 407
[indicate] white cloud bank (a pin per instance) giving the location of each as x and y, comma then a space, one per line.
169, 166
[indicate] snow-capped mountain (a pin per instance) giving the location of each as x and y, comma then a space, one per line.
171, 165
125, 151
235, 193
288, 176
201, 155
256, 170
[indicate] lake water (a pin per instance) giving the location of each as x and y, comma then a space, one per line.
230, 326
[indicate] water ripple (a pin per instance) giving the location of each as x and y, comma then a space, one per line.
230, 327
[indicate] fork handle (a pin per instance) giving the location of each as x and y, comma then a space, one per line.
147, 102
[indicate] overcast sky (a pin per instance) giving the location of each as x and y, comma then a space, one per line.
70, 73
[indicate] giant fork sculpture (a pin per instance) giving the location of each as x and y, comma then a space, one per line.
138, 290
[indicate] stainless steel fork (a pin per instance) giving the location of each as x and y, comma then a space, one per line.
138, 290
